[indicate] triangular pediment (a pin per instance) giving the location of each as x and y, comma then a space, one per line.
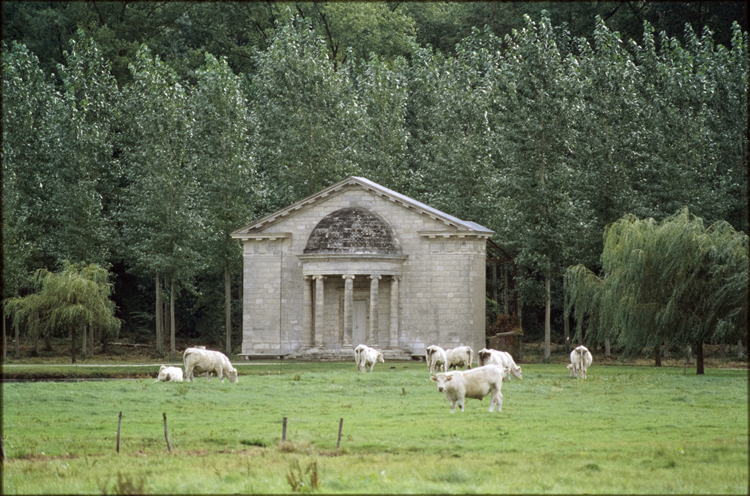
261, 225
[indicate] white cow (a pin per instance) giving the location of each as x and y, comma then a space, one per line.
436, 359
502, 358
207, 362
365, 356
459, 357
476, 383
169, 374
580, 360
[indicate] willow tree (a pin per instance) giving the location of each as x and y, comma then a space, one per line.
65, 303
675, 280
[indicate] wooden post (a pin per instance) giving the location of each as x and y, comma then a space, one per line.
119, 422
283, 431
166, 433
341, 424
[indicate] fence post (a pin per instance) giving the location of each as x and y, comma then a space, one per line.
341, 424
166, 433
283, 431
119, 422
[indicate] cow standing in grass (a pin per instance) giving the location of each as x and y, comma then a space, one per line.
580, 360
502, 358
476, 383
436, 359
365, 356
208, 362
461, 356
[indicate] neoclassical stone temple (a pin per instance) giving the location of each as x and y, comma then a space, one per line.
358, 263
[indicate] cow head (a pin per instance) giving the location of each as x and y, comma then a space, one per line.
442, 380
516, 371
484, 355
380, 357
232, 375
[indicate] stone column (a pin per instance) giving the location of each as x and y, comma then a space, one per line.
373, 335
348, 304
307, 313
319, 306
394, 312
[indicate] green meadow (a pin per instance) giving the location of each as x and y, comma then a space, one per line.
624, 429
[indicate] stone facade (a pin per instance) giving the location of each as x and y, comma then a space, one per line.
359, 263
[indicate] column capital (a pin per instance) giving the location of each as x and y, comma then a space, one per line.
348, 276
317, 278
396, 278
376, 276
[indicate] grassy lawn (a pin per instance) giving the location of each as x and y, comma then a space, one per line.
625, 429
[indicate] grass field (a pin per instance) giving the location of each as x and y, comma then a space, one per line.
625, 429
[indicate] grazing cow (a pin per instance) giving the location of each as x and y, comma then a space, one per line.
502, 358
365, 356
208, 362
436, 359
580, 360
169, 374
476, 383
459, 357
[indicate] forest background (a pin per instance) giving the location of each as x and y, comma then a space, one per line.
138, 135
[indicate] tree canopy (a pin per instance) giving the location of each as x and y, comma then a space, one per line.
674, 280
543, 131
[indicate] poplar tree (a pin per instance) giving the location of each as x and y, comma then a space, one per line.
225, 169
160, 218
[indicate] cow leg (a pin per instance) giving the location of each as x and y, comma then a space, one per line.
188, 374
453, 406
461, 404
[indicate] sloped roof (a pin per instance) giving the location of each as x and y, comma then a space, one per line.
379, 190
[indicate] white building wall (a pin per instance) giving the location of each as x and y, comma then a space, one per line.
441, 289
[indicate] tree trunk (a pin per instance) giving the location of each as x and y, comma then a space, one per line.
699, 359
739, 348
666, 349
566, 332
690, 354
228, 308
5, 341
723, 350
171, 317
91, 337
547, 318
17, 343
73, 346
36, 345
607, 348
657, 356
159, 339
48, 342
505, 289
494, 282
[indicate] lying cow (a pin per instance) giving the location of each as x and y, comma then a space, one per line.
459, 357
502, 358
169, 374
365, 356
580, 360
476, 383
207, 362
436, 359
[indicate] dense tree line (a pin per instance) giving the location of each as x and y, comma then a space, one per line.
542, 135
